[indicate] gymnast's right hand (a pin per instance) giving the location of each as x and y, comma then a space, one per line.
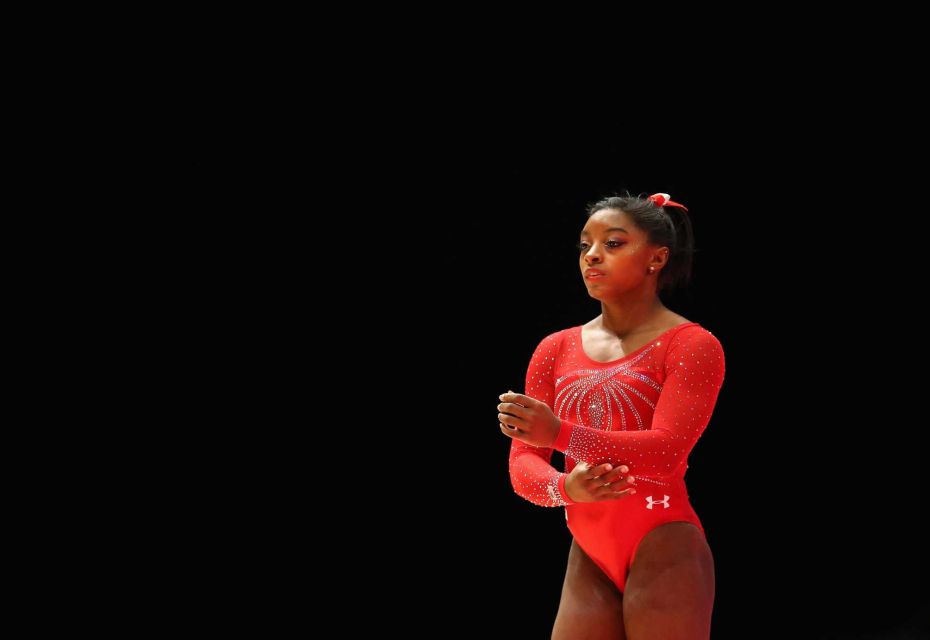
596, 484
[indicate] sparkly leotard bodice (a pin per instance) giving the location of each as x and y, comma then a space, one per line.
646, 410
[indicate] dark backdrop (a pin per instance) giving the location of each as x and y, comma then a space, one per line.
445, 253
808, 479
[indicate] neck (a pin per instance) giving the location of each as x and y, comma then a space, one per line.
627, 317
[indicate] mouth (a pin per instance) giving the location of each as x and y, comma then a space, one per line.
593, 274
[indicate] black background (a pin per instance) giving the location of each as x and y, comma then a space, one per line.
808, 480
437, 255
359, 251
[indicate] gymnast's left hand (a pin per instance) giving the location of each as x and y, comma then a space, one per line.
527, 419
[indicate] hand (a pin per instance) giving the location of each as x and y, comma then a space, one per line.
527, 419
587, 484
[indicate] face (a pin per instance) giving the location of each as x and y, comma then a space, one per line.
615, 255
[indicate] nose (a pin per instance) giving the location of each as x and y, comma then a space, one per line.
591, 257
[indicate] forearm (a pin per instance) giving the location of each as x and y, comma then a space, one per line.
653, 453
535, 479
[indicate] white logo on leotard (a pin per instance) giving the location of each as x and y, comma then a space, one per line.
651, 502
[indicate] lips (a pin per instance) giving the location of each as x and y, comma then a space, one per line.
593, 273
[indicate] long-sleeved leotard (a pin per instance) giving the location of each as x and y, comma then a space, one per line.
646, 410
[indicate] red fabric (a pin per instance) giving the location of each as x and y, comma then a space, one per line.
645, 410
664, 200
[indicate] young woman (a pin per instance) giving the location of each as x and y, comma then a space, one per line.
625, 397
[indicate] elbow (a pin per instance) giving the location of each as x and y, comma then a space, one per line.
519, 489
514, 484
523, 491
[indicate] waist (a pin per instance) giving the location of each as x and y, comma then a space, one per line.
651, 498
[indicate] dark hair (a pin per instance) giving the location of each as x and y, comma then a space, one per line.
666, 227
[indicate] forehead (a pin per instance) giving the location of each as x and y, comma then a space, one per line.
607, 218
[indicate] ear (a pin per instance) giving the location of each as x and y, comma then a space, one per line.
659, 258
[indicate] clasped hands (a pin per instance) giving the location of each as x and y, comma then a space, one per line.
531, 421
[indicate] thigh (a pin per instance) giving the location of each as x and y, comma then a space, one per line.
669, 592
591, 607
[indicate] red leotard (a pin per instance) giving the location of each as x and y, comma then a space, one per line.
645, 410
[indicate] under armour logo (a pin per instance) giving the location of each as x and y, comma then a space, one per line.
651, 502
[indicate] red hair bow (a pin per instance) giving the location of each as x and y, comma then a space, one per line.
665, 200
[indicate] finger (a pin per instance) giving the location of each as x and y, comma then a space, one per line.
511, 421
616, 495
517, 398
616, 474
600, 470
609, 488
513, 409
509, 431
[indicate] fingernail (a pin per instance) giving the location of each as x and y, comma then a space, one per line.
608, 467
624, 469
632, 491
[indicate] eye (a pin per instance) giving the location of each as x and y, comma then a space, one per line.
614, 244
582, 246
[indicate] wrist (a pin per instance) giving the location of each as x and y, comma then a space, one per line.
563, 489
563, 437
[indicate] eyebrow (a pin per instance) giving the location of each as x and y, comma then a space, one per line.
585, 232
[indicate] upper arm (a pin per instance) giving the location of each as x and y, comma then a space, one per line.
540, 374
694, 372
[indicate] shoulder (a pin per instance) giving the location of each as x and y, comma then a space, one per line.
554, 340
694, 336
694, 341
551, 345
